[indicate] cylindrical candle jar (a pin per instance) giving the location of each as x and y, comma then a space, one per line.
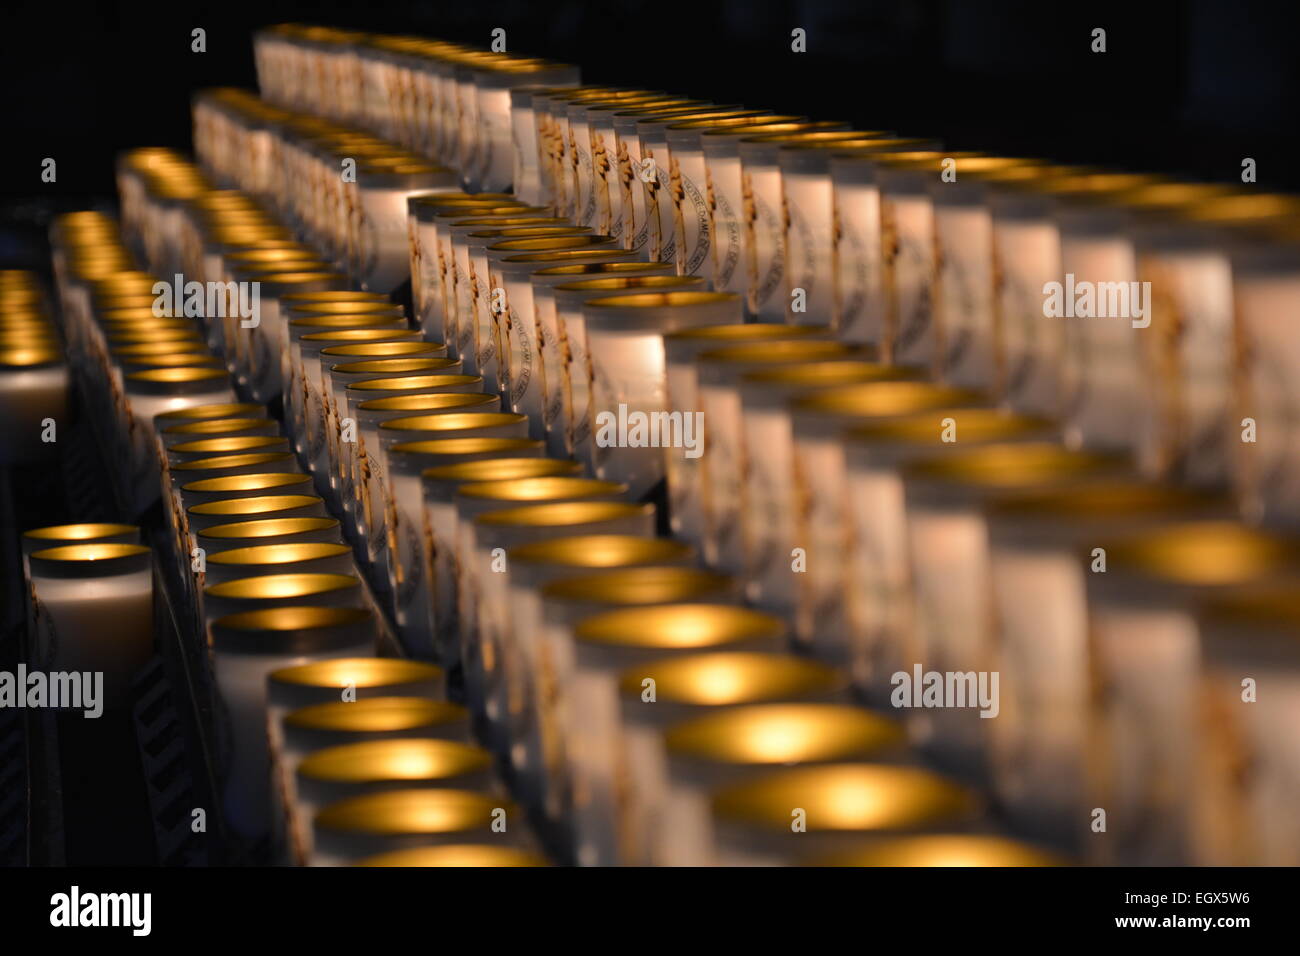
596, 774
196, 449
509, 527
688, 178
356, 769
239, 534
56, 536
261, 340
1039, 745
405, 819
474, 423
480, 584
461, 461
529, 568
807, 194
740, 743
218, 428
658, 694
814, 490
767, 522
149, 393
787, 814
510, 262
628, 389
568, 301
685, 475
763, 217
203, 516
305, 730
565, 603
457, 855
877, 574
245, 648
945, 618
381, 258
967, 326
721, 151
719, 372
970, 849
282, 590
550, 344
93, 615
255, 560
1241, 819
33, 391
1142, 621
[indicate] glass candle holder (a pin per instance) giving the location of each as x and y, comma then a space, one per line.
1142, 615
356, 769
34, 388
692, 236
498, 154
551, 346
752, 819
230, 445
465, 854
510, 263
565, 603
245, 648
399, 820
205, 515
949, 631
320, 558
817, 490
57, 536
93, 613
580, 171
718, 373
480, 585
270, 531
604, 646
446, 465
1239, 819
695, 685
739, 744
1039, 746
685, 475
878, 575
187, 432
625, 348
942, 850
529, 568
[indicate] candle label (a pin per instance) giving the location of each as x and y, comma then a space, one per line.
766, 246
725, 231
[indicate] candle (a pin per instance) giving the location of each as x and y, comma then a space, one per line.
565, 603
551, 347
258, 361
1240, 819
186, 432
461, 855
40, 539
686, 686
878, 574
33, 389
207, 514
93, 613
356, 769
480, 627
606, 644
625, 347
1038, 748
1142, 614
814, 491
692, 234
738, 744
230, 445
948, 626
495, 83
509, 264
317, 558
245, 648
718, 372
942, 850
405, 819
270, 531
685, 475
528, 568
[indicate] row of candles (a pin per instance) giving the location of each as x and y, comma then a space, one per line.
963, 555
33, 373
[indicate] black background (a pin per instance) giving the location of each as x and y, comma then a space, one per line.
1186, 87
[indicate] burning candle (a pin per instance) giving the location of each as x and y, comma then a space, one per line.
625, 347
245, 648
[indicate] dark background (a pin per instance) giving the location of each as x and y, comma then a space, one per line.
1187, 87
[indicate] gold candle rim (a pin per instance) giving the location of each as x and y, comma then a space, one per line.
268, 554
947, 850
426, 401
474, 855
453, 421
256, 504
727, 678
268, 527
248, 482
411, 812
678, 626
501, 469
541, 488
638, 586
369, 715
360, 672
279, 587
402, 761
600, 550
409, 382
784, 733
563, 513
